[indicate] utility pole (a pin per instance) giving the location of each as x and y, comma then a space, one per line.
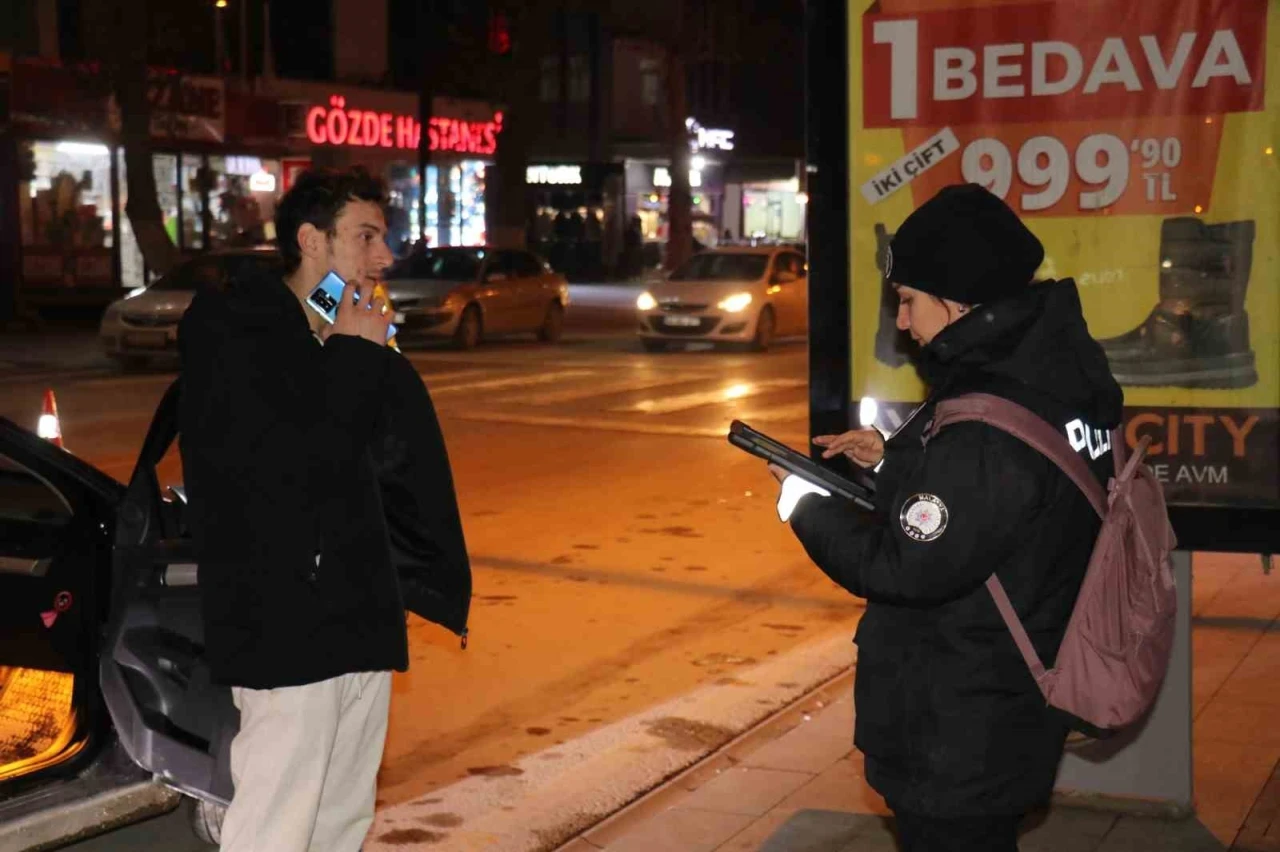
426, 25
679, 200
244, 43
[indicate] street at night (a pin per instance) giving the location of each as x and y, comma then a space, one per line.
625, 554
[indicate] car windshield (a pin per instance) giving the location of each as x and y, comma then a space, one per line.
440, 265
717, 266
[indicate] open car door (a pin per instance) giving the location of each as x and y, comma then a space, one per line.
170, 717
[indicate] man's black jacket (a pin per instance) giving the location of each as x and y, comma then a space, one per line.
313, 474
949, 718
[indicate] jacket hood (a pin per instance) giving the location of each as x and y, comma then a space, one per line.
1037, 338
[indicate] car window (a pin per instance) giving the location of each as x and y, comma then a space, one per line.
788, 262
26, 497
526, 265
722, 266
501, 262
440, 265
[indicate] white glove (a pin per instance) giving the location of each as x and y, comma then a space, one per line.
793, 488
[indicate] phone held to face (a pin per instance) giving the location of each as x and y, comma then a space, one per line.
325, 297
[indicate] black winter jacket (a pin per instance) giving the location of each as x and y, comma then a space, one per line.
313, 474
948, 716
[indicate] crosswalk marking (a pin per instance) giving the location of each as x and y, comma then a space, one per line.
636, 383
431, 379
778, 413
727, 393
603, 424
515, 381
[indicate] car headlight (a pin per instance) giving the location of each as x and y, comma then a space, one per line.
646, 302
735, 304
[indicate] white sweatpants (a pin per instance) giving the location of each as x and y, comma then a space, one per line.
305, 765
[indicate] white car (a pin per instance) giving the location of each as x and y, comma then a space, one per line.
728, 295
144, 324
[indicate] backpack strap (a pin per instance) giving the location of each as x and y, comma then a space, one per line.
1032, 430
1035, 432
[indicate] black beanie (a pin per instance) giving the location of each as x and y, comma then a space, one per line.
964, 244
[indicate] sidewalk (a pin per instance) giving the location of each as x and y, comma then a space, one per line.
26, 355
795, 784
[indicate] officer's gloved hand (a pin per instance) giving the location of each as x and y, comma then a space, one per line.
793, 488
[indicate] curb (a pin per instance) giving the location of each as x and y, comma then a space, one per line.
683, 783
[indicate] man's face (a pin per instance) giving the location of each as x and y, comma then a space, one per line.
357, 248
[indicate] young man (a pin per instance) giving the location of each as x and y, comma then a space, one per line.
284, 426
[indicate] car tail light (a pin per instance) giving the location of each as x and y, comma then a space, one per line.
37, 720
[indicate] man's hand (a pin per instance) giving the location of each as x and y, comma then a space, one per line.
863, 447
368, 317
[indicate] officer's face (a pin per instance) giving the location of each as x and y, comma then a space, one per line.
922, 315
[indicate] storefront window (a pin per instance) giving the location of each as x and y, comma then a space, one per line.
466, 183
403, 188
66, 215
165, 168
193, 236
243, 199
772, 212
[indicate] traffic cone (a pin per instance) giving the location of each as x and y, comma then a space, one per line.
49, 427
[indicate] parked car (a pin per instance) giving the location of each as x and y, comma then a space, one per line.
737, 295
467, 294
143, 326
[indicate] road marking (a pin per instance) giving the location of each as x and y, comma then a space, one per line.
430, 378
516, 381
728, 393
796, 439
778, 413
602, 389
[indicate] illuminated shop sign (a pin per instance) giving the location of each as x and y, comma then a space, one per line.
561, 175
336, 124
705, 138
662, 177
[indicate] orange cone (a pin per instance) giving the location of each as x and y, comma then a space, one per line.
49, 427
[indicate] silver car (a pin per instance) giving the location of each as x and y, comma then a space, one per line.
144, 324
466, 294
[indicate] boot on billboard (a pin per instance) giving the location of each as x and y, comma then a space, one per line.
1197, 335
892, 345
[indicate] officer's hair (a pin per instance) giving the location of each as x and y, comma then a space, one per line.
317, 198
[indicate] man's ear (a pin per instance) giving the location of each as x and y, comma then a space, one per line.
311, 241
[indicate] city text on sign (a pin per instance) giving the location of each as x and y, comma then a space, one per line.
336, 124
561, 175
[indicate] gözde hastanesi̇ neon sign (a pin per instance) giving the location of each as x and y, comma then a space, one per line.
336, 124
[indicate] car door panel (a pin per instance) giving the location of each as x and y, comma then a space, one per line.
498, 294
171, 718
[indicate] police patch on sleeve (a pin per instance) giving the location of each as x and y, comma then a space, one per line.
924, 517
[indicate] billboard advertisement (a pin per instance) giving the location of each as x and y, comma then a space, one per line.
1138, 141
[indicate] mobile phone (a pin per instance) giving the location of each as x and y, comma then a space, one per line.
325, 297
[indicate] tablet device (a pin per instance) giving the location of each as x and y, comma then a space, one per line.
762, 446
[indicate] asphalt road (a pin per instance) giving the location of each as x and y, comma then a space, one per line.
624, 554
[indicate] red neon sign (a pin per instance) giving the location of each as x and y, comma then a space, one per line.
336, 125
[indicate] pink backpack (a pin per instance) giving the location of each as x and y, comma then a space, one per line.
1117, 644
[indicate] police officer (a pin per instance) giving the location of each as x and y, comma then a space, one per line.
956, 734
